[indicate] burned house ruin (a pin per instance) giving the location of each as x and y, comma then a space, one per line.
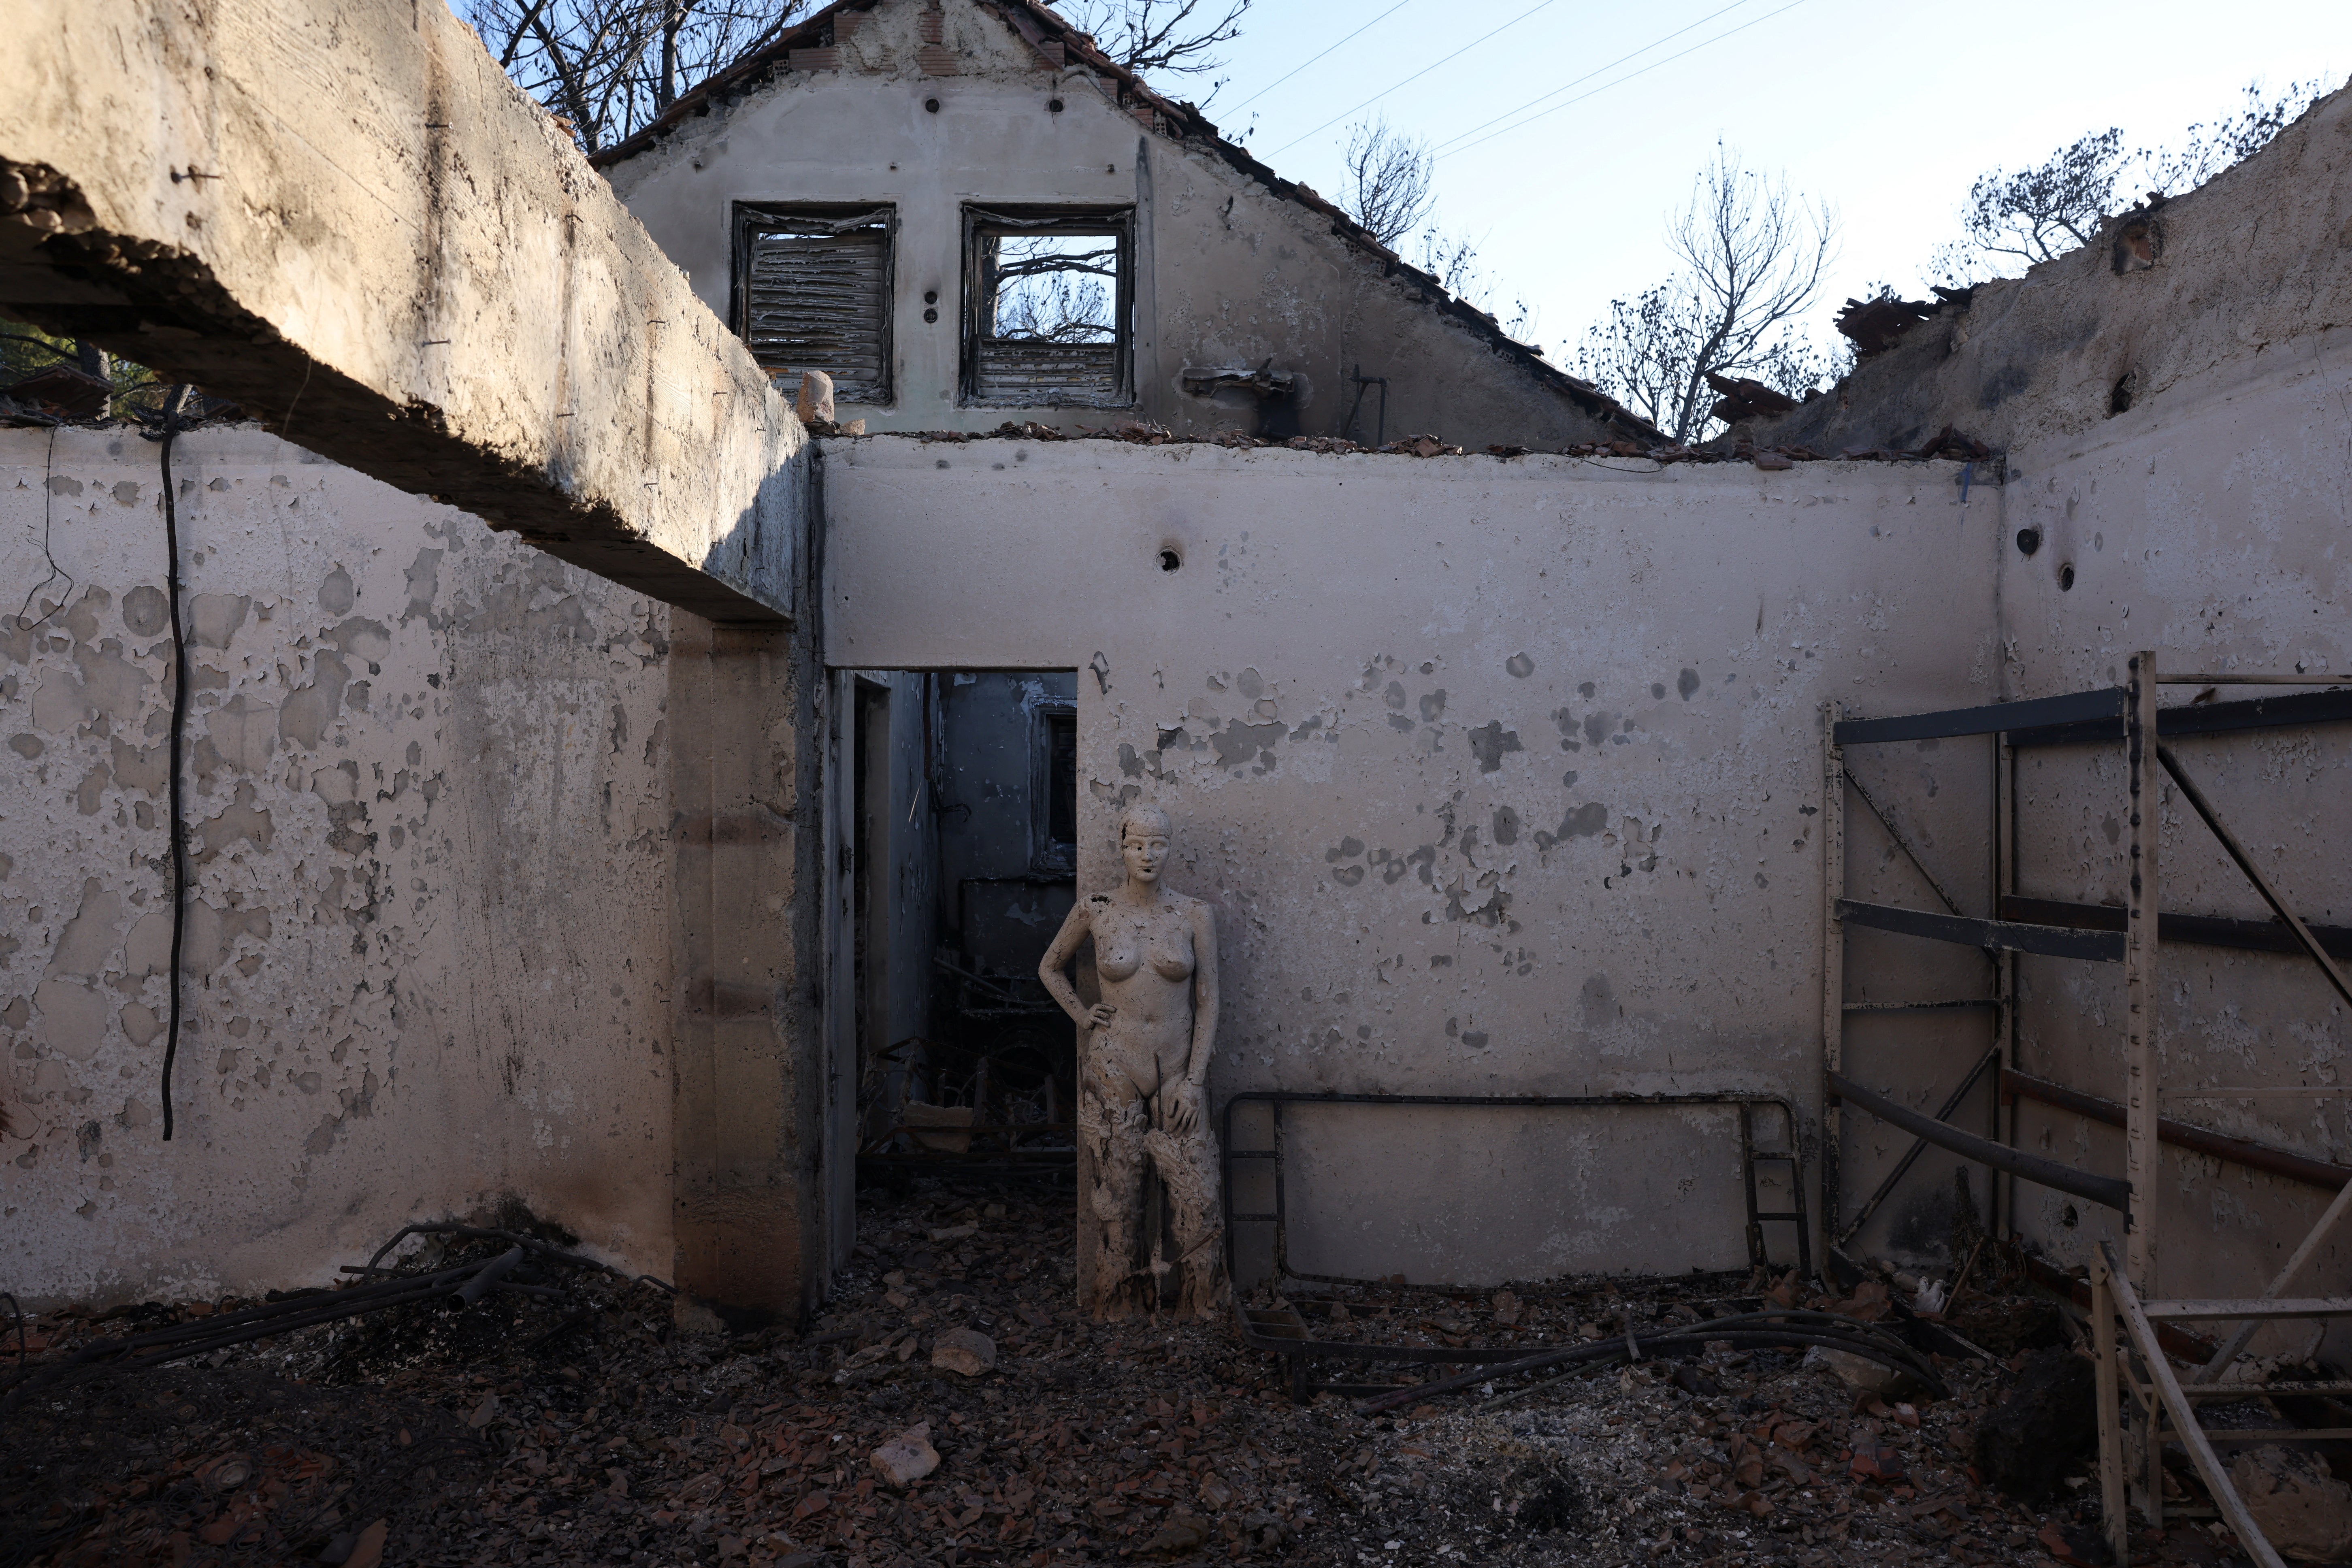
611, 795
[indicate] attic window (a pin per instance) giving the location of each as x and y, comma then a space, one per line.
812, 292
1048, 304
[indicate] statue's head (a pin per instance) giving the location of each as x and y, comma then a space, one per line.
1143, 836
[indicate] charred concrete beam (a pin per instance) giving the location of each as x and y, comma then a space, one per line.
342, 215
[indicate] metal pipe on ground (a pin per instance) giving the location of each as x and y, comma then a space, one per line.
489, 1275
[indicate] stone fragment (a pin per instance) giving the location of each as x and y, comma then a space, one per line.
1183, 1532
2304, 1511
1692, 1381
1506, 1308
815, 405
1862, 1374
367, 1552
1875, 1462
966, 1351
907, 1458
2043, 1431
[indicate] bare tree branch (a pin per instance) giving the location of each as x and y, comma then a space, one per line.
2213, 147
1052, 288
1166, 37
1453, 259
2040, 213
1389, 185
1752, 258
609, 66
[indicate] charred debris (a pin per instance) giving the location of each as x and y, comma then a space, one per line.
949, 1406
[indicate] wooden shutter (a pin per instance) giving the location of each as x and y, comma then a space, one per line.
1045, 374
816, 296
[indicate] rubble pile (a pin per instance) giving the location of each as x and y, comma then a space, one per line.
949, 1406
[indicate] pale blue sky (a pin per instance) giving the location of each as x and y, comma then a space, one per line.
1888, 112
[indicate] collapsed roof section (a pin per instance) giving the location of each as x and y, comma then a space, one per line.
2176, 290
814, 45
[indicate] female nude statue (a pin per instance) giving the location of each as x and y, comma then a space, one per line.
1143, 1072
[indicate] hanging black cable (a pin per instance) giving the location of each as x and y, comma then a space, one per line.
172, 406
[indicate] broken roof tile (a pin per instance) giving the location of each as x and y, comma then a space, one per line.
1874, 325
1743, 398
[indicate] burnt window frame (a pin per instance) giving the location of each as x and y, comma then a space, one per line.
1049, 855
981, 220
751, 216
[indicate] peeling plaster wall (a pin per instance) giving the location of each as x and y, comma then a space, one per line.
2212, 525
426, 962
1502, 777
1228, 270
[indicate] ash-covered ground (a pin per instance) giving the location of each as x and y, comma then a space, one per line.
597, 1429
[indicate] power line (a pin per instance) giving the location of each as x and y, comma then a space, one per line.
1621, 81
1415, 77
1588, 76
1359, 32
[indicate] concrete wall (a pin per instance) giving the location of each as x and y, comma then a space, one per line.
427, 961
1229, 271
1504, 776
746, 718
344, 216
2211, 525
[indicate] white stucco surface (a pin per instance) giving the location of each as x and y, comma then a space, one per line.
427, 955
2211, 524
1502, 776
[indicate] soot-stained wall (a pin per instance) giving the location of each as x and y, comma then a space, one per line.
1228, 272
427, 958
2210, 524
1504, 777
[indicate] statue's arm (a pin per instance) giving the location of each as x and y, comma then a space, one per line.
1053, 968
1204, 993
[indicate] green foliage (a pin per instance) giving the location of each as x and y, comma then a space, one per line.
27, 350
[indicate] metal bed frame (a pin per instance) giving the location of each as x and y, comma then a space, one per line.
1284, 1330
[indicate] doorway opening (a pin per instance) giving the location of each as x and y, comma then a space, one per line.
955, 828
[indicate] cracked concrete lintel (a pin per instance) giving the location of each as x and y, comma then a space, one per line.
346, 218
